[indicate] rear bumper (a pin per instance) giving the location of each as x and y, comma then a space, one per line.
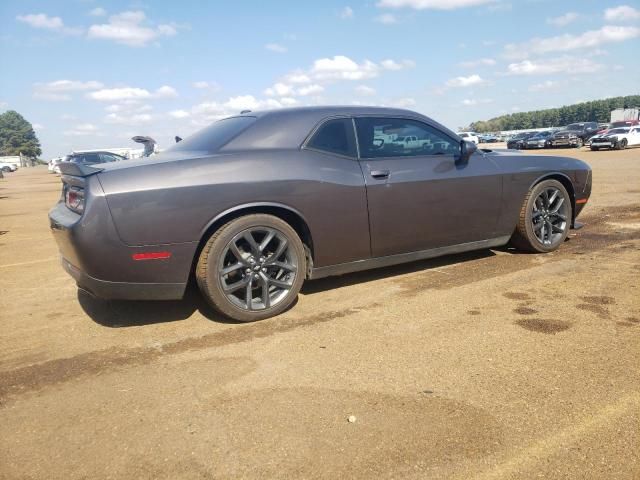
93, 254
123, 290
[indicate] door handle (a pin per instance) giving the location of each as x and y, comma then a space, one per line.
380, 174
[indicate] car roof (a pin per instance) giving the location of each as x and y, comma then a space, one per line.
289, 127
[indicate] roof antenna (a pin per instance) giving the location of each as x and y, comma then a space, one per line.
245, 111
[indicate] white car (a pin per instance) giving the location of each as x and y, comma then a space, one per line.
470, 137
8, 166
618, 138
53, 164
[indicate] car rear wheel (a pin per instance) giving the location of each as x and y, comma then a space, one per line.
579, 143
545, 218
622, 144
252, 268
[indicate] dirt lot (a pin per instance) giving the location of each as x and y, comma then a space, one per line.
483, 365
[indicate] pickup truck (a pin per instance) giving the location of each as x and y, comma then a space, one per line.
574, 135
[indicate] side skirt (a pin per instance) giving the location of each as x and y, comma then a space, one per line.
387, 261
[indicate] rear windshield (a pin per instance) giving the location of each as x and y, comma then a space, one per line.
211, 138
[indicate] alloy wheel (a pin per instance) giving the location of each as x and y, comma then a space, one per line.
549, 216
258, 268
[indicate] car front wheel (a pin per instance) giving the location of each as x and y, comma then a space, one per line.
622, 144
545, 218
252, 268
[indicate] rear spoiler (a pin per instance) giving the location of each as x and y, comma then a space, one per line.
77, 169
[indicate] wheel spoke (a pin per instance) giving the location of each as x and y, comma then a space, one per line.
280, 283
557, 208
538, 226
284, 266
266, 240
248, 297
231, 268
237, 253
255, 249
237, 285
278, 253
558, 215
553, 196
266, 300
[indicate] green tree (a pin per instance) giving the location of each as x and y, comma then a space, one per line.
17, 136
595, 111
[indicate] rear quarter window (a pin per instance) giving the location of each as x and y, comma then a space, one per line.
215, 136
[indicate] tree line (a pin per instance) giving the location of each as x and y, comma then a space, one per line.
594, 111
17, 136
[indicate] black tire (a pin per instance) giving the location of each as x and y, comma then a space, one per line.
207, 270
622, 144
524, 238
594, 149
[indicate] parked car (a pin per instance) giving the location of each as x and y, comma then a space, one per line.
8, 166
574, 135
254, 204
470, 137
88, 158
539, 140
488, 138
618, 138
53, 163
519, 140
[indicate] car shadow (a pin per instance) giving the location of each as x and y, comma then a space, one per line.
132, 313
330, 283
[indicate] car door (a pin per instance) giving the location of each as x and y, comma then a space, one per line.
418, 196
634, 136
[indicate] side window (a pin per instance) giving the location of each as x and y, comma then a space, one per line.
335, 136
89, 158
397, 137
105, 157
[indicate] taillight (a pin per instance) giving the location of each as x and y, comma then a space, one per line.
74, 199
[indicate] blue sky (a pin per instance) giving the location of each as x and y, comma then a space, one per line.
91, 74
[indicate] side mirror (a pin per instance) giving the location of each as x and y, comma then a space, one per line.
466, 150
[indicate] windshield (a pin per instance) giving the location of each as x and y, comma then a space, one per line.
216, 135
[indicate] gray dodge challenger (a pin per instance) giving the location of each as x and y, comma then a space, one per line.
254, 204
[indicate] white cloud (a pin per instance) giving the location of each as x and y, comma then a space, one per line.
132, 119
37, 126
566, 42
81, 130
346, 12
406, 102
127, 28
131, 94
365, 90
470, 102
557, 65
477, 63
386, 19
276, 47
461, 82
179, 114
279, 89
297, 78
43, 21
563, 20
622, 13
546, 85
60, 90
288, 101
393, 65
432, 4
166, 91
310, 89
98, 12
341, 67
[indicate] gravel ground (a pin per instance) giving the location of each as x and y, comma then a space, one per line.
491, 364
